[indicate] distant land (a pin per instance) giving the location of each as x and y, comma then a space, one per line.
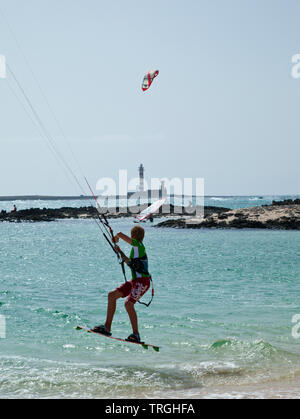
41, 197
155, 194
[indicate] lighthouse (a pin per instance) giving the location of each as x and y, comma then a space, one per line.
141, 176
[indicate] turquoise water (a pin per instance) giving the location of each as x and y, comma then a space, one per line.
222, 313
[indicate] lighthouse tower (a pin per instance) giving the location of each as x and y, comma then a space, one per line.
141, 176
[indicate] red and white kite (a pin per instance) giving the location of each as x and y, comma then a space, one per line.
151, 210
148, 79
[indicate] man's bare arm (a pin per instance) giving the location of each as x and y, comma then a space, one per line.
123, 237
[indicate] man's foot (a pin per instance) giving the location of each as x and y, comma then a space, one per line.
134, 337
101, 329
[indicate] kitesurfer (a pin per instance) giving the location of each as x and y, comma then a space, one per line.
133, 289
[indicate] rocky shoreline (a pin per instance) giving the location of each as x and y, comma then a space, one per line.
284, 215
279, 215
52, 214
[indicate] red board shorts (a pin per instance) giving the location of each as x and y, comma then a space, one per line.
135, 288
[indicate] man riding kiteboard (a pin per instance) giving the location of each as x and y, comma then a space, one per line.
133, 289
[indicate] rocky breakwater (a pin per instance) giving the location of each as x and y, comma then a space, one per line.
47, 214
279, 215
52, 214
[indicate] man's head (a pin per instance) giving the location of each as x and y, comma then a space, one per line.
138, 233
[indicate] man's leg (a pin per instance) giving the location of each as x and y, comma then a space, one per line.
113, 296
129, 305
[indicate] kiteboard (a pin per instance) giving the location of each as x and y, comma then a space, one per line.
143, 344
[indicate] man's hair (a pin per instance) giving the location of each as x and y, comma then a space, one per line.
138, 233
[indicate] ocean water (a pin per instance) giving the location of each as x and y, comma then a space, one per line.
222, 314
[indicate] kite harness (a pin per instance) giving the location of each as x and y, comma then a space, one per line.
139, 265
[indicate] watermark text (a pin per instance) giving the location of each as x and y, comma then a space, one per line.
295, 72
2, 67
126, 195
2, 327
296, 328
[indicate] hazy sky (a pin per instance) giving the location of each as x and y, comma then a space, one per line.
224, 107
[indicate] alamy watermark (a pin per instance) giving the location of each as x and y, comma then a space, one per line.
2, 327
125, 196
2, 67
296, 328
295, 72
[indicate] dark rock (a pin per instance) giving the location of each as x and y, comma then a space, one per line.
287, 202
285, 217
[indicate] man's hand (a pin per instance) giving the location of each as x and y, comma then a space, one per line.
124, 237
115, 239
123, 256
